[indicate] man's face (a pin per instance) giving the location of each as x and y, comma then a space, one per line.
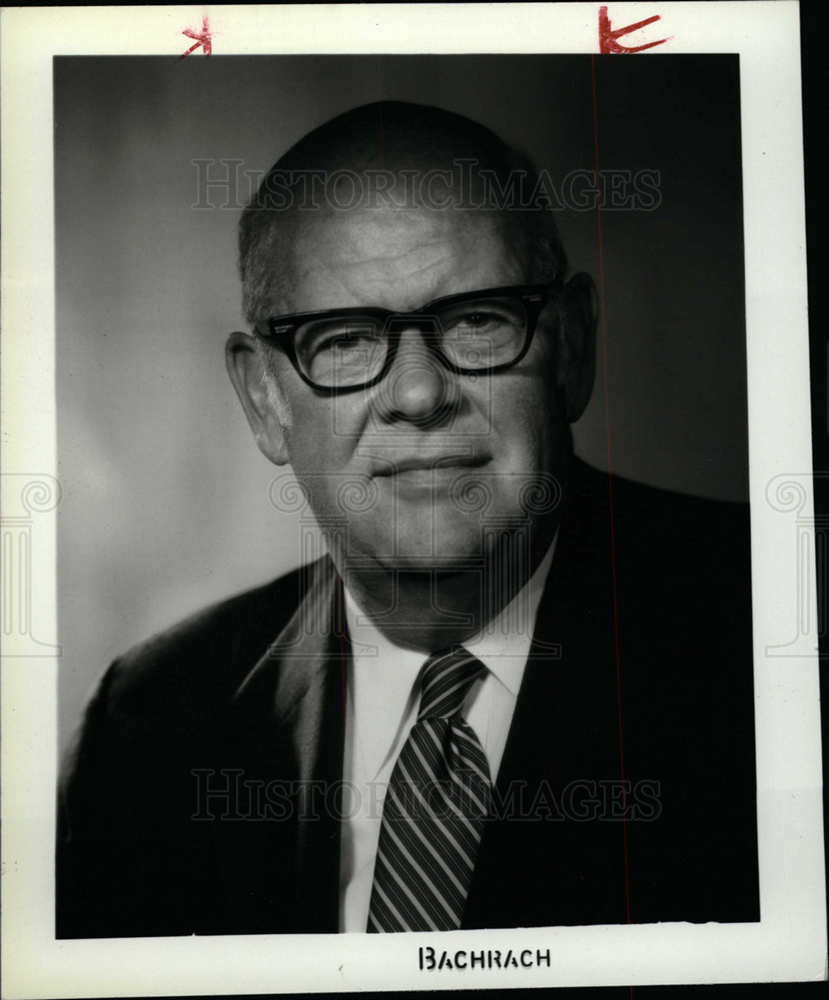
426, 468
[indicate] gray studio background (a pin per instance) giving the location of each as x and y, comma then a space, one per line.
165, 496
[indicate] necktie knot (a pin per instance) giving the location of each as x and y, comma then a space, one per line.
447, 678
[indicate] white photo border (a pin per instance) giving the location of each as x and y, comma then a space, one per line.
789, 943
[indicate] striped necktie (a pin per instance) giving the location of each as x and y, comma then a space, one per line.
436, 803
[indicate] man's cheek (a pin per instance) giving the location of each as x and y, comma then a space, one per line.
313, 443
518, 426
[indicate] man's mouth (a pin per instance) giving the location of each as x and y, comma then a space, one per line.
416, 466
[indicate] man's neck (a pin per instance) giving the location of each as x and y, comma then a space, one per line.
430, 609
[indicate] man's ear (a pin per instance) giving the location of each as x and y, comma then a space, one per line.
259, 394
576, 370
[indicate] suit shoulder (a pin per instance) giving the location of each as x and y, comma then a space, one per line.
203, 657
658, 516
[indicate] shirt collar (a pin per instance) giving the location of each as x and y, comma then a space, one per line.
381, 688
373, 652
503, 644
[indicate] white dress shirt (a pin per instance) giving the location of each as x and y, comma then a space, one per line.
382, 699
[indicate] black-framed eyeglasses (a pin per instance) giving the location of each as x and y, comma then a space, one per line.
473, 333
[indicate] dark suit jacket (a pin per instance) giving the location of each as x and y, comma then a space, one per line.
201, 794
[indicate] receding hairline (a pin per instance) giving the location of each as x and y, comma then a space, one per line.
389, 136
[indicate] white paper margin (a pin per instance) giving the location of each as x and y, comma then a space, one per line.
790, 941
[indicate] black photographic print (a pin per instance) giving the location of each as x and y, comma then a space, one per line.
435, 454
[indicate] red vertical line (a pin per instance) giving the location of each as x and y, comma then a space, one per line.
610, 492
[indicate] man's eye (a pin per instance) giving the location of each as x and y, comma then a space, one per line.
478, 319
342, 343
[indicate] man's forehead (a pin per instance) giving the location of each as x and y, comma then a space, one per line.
392, 255
384, 232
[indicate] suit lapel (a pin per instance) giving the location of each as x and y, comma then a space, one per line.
287, 736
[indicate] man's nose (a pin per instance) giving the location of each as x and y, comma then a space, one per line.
418, 388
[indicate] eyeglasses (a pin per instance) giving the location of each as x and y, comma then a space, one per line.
474, 333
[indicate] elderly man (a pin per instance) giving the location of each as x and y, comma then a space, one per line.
515, 691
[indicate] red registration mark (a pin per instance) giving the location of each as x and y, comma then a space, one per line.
204, 38
608, 36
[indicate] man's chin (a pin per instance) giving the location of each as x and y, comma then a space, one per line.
423, 563
432, 554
